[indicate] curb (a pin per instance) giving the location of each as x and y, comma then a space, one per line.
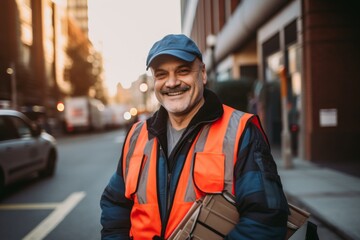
318, 216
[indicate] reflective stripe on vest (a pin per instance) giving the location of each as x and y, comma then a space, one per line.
208, 168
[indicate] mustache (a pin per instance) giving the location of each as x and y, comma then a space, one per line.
174, 90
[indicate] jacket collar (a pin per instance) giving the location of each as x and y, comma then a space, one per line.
209, 112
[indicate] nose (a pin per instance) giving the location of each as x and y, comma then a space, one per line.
172, 81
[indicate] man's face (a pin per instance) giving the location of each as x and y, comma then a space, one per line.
179, 85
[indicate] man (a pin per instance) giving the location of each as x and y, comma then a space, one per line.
192, 146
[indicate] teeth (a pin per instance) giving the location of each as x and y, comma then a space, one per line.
174, 93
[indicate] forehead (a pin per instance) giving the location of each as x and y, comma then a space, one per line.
164, 60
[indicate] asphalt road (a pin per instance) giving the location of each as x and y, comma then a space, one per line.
65, 206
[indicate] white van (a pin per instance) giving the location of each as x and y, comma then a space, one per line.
83, 113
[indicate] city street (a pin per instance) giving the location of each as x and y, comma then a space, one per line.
67, 205
81, 69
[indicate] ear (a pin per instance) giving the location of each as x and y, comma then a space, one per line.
204, 75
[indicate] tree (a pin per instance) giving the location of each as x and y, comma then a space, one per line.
80, 72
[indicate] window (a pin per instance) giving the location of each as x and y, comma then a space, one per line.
7, 130
23, 129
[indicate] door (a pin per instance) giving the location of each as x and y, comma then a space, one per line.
18, 151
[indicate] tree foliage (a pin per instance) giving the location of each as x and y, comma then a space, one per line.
80, 72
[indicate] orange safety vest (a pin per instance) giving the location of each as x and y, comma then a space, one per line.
208, 168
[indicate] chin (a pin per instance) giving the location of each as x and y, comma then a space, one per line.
176, 111
175, 108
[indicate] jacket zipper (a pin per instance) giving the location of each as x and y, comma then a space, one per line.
169, 203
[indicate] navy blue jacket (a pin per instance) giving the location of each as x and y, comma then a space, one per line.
259, 195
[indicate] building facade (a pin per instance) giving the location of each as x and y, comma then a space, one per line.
315, 41
27, 59
45, 55
78, 10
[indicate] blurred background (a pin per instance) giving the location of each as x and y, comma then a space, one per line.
295, 63
47, 56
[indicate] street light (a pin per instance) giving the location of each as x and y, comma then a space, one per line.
211, 40
11, 71
211, 43
144, 87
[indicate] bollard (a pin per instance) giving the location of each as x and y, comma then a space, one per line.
286, 153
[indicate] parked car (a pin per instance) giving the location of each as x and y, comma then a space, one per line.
24, 149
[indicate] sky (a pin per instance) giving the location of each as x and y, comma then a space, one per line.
124, 32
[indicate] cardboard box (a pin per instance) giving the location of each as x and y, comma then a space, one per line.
210, 218
296, 220
214, 216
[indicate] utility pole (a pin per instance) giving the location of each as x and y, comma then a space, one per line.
11, 71
211, 43
285, 133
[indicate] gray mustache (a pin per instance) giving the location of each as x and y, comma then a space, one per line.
173, 90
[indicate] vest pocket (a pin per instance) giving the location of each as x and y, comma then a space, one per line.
209, 172
133, 174
145, 221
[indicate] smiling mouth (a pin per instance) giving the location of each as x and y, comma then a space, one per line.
176, 91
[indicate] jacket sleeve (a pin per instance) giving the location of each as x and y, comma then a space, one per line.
260, 199
115, 208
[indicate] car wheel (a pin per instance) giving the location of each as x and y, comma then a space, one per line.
49, 170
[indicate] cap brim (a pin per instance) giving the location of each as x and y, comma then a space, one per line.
188, 57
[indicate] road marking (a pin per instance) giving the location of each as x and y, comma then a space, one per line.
28, 206
55, 217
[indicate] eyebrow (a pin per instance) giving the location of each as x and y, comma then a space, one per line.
180, 66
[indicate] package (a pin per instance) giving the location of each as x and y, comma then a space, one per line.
214, 216
297, 223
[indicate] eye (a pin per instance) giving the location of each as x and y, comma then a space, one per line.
183, 71
160, 75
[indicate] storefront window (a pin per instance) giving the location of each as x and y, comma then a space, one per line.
273, 64
294, 65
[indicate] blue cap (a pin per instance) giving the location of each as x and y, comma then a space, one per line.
177, 45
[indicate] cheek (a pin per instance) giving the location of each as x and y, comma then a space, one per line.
157, 95
200, 85
157, 87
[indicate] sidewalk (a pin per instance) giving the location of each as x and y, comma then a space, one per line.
331, 196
